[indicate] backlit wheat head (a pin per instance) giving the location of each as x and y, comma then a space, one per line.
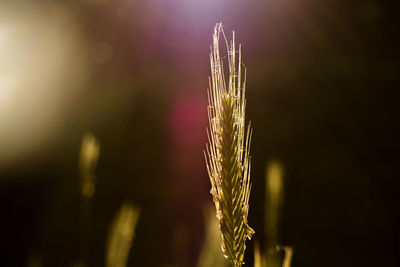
227, 152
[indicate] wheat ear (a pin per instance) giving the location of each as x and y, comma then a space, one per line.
227, 153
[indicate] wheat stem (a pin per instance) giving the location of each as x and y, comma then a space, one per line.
227, 153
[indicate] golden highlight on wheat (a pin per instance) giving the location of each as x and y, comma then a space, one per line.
227, 152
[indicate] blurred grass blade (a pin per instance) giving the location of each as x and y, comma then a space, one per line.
258, 256
287, 260
89, 155
210, 253
90, 152
121, 235
274, 201
273, 205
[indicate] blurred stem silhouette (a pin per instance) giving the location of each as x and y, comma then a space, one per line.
274, 196
210, 254
259, 257
274, 199
122, 233
89, 155
287, 259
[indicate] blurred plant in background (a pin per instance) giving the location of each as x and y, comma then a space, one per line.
274, 197
122, 233
210, 254
89, 155
274, 254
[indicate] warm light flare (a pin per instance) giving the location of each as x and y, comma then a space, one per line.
37, 49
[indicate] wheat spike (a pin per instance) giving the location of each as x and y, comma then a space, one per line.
227, 153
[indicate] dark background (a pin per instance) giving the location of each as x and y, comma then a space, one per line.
322, 95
